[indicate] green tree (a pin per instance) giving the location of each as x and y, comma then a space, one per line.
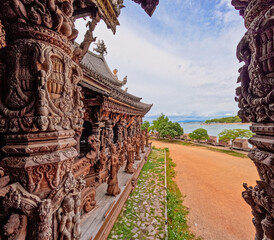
199, 134
171, 130
145, 125
231, 134
159, 123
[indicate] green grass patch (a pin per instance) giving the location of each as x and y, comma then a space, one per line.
150, 182
177, 213
226, 151
172, 141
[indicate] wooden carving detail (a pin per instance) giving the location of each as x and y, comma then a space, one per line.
255, 97
68, 216
143, 141
42, 83
113, 188
137, 147
16, 227
94, 143
2, 36
130, 157
51, 14
45, 220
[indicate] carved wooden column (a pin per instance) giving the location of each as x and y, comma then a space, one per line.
109, 133
40, 107
256, 103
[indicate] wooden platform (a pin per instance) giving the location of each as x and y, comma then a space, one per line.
98, 223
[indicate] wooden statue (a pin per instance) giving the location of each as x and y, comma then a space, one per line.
113, 188
123, 153
137, 148
130, 157
147, 137
93, 153
102, 158
143, 139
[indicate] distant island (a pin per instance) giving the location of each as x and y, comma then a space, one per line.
224, 120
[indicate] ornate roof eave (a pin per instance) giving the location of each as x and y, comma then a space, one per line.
96, 80
115, 106
148, 5
104, 8
107, 11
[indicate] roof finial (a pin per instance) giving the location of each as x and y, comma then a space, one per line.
101, 47
115, 72
118, 4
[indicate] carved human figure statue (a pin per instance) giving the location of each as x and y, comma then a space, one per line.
119, 152
137, 148
102, 158
147, 137
123, 153
68, 218
143, 140
93, 153
130, 157
113, 188
77, 136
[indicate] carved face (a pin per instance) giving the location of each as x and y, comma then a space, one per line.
12, 225
67, 8
68, 204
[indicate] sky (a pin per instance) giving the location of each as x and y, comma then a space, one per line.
182, 59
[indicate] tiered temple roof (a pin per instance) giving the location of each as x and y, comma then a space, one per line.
99, 78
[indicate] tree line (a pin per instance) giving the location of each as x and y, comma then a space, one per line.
168, 129
235, 119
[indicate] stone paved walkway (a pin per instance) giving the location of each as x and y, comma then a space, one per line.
143, 216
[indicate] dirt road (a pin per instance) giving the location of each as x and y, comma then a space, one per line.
212, 183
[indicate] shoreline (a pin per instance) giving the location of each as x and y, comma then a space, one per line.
240, 123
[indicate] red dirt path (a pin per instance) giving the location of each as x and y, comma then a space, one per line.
212, 183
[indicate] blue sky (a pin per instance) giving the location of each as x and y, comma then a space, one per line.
182, 59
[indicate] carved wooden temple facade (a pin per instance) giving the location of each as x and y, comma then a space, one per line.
256, 101
66, 125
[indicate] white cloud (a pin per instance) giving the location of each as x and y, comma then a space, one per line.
180, 75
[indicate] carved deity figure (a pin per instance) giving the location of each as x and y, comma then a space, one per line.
102, 158
16, 227
130, 157
143, 140
119, 152
45, 217
137, 148
69, 218
120, 133
109, 136
147, 137
77, 137
113, 188
123, 153
93, 153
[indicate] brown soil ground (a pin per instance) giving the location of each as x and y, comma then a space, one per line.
212, 184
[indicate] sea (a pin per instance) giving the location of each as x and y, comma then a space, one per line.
212, 130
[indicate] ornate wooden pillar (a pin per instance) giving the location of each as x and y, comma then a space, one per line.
40, 107
256, 101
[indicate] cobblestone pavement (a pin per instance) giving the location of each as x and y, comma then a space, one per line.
143, 216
